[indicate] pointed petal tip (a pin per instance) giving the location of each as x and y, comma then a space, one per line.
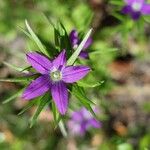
60, 96
60, 60
30, 53
24, 97
63, 112
64, 51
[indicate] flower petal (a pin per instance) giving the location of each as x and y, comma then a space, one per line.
39, 62
93, 123
130, 2
74, 37
60, 60
75, 128
135, 15
74, 73
126, 9
84, 54
37, 87
60, 96
88, 43
77, 116
146, 9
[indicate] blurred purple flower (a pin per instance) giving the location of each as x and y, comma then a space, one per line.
136, 8
81, 121
54, 76
75, 41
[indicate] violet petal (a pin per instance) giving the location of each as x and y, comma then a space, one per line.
126, 9
39, 62
129, 2
74, 37
77, 116
75, 128
60, 96
93, 123
84, 54
60, 60
88, 43
74, 73
146, 9
37, 87
135, 15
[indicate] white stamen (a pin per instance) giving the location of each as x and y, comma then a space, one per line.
56, 75
136, 6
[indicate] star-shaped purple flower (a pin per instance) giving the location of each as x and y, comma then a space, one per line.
81, 121
54, 77
136, 8
75, 41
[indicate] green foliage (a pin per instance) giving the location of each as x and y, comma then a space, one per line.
17, 94
43, 102
28, 106
36, 39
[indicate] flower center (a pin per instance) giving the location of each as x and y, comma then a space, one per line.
136, 6
56, 75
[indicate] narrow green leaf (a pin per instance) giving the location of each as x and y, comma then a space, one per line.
28, 106
65, 42
75, 55
54, 110
15, 67
26, 68
79, 93
46, 16
20, 79
89, 85
36, 39
62, 128
89, 108
26, 33
56, 114
118, 16
13, 96
57, 39
43, 102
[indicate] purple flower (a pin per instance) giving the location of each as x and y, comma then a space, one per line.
75, 41
136, 8
54, 76
81, 121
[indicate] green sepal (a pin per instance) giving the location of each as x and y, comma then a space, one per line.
89, 85
13, 96
14, 67
79, 93
45, 100
19, 79
62, 128
28, 106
